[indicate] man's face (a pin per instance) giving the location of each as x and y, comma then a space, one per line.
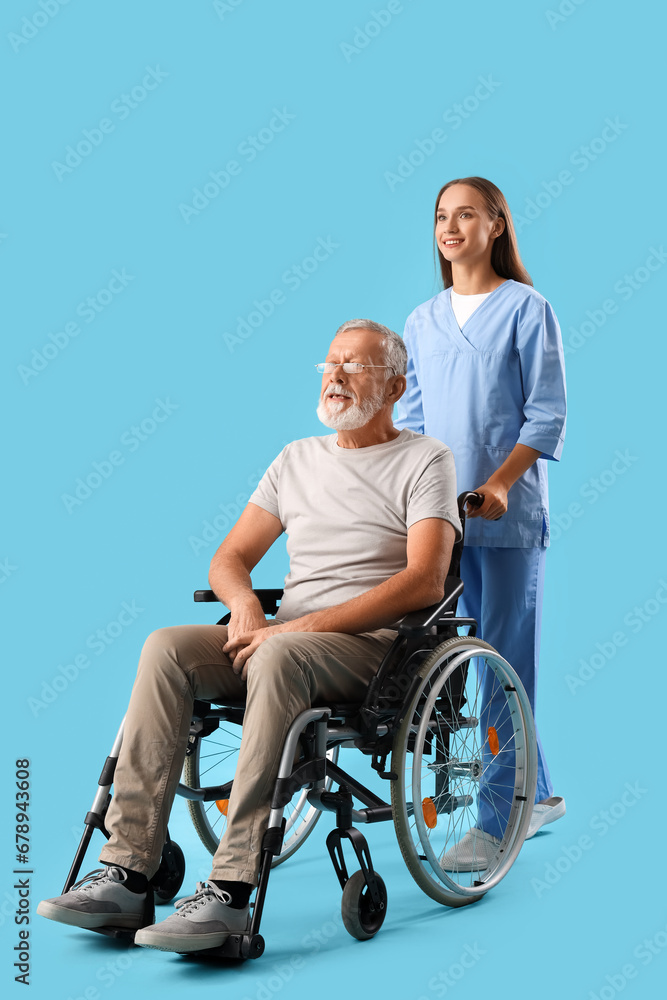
348, 402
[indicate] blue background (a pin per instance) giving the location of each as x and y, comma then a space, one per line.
361, 100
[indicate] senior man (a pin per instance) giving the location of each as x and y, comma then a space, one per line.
370, 515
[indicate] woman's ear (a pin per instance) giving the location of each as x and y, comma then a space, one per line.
498, 227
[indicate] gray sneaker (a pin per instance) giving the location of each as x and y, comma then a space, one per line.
98, 900
203, 920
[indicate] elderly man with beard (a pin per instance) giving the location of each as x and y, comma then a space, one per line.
371, 517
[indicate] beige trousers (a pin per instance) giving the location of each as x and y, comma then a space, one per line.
287, 673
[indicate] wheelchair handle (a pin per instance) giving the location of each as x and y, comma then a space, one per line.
474, 499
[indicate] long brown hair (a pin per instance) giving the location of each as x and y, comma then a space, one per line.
505, 257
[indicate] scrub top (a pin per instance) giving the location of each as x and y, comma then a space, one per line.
498, 381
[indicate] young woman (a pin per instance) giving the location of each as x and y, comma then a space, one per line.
486, 376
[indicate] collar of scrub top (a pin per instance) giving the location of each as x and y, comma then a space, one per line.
471, 323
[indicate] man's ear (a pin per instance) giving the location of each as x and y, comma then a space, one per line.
398, 385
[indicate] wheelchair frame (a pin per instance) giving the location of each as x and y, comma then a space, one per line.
372, 728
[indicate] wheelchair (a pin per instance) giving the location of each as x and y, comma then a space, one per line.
445, 721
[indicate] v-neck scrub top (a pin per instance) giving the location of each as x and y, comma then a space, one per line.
498, 381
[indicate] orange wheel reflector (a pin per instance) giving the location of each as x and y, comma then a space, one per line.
430, 813
223, 805
494, 744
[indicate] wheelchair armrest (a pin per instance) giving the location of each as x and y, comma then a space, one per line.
205, 595
419, 622
268, 598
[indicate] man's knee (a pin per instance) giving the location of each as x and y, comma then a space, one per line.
160, 653
159, 641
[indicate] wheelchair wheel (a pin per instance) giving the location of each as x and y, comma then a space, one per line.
169, 877
466, 760
361, 919
213, 762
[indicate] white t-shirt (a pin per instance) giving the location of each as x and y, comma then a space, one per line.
464, 306
346, 512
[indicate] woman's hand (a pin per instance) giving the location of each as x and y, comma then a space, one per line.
497, 486
495, 502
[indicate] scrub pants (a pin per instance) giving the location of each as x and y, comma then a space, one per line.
503, 590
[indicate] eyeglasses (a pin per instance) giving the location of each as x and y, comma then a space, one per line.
349, 367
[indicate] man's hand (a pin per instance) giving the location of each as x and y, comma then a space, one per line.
241, 648
246, 618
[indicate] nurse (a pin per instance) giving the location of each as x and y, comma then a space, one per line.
486, 376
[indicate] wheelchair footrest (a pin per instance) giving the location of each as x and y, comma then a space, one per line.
120, 933
242, 946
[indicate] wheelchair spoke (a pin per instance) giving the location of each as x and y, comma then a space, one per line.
208, 769
220, 755
235, 736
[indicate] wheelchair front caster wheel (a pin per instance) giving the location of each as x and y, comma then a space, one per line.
168, 879
362, 919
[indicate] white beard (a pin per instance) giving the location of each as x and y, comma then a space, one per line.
355, 416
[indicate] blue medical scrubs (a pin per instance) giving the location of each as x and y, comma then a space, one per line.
498, 381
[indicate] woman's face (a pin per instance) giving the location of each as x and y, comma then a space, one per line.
463, 230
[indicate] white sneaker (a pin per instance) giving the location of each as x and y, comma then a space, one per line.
203, 920
98, 900
473, 853
545, 812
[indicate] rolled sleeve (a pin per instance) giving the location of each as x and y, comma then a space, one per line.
542, 363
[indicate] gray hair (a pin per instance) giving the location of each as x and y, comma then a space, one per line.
395, 354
